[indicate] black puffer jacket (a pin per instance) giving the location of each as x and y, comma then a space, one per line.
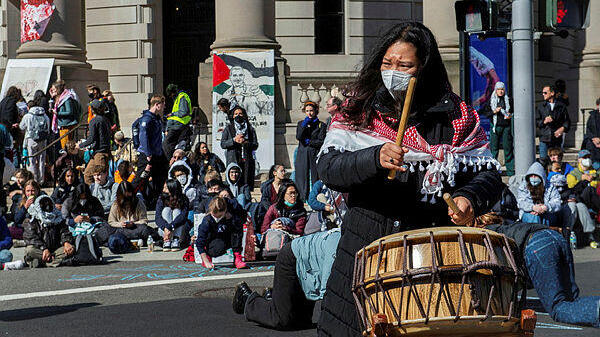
379, 207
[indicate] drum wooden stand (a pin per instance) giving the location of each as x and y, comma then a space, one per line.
447, 281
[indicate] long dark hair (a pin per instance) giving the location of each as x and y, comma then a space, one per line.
62, 180
79, 190
279, 204
536, 192
175, 198
244, 113
432, 81
126, 206
14, 92
197, 156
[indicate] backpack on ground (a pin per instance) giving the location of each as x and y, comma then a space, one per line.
87, 251
273, 241
39, 128
118, 244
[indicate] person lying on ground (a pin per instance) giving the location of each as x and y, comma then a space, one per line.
547, 258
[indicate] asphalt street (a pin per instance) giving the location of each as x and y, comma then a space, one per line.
158, 294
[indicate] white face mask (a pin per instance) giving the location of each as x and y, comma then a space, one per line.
534, 181
182, 180
395, 81
586, 162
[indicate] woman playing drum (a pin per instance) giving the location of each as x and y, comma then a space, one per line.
444, 150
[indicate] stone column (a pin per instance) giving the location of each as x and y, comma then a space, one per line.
244, 24
438, 15
589, 68
62, 38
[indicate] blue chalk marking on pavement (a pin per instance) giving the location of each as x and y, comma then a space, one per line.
150, 272
541, 325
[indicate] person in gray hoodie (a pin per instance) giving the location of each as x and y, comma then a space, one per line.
37, 129
240, 190
538, 201
105, 189
182, 172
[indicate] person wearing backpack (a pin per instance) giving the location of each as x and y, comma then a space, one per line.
98, 140
36, 126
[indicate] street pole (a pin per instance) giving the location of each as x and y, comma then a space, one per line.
523, 87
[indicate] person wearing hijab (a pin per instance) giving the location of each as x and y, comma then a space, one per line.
501, 130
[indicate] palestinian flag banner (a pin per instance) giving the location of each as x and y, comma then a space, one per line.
246, 79
35, 15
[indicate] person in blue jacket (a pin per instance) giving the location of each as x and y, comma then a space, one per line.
219, 231
302, 269
5, 242
152, 162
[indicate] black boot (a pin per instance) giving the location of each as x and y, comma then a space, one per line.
268, 293
242, 292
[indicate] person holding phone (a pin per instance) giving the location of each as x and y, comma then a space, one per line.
127, 216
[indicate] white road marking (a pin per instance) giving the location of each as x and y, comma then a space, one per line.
132, 285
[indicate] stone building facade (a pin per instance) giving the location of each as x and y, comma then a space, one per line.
146, 44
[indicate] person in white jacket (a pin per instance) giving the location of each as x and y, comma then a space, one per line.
37, 129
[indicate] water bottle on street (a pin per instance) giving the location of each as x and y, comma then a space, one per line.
573, 241
150, 244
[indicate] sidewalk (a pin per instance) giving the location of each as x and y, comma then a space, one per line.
142, 255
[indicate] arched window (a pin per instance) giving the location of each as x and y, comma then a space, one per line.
329, 26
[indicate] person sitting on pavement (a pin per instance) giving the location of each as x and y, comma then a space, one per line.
584, 174
6, 257
538, 201
67, 182
202, 189
302, 269
547, 260
82, 211
104, 188
240, 191
69, 157
47, 236
123, 151
556, 160
16, 187
172, 216
31, 190
269, 188
287, 213
127, 216
182, 172
219, 231
202, 161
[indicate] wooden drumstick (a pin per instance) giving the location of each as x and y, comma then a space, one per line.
404, 118
453, 206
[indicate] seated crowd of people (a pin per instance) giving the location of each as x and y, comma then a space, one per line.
102, 186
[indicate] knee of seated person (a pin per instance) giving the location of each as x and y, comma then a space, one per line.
216, 248
5, 256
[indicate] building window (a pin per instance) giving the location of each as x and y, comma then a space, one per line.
329, 26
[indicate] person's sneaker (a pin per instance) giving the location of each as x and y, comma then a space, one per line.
18, 243
239, 263
175, 245
167, 246
15, 265
242, 292
594, 244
